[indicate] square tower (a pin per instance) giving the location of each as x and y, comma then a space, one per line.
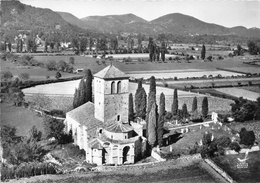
111, 95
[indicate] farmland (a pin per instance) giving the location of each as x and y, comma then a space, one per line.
238, 92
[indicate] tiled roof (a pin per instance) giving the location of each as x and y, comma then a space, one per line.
84, 115
95, 144
104, 138
110, 72
118, 127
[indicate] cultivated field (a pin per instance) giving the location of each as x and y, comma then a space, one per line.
238, 92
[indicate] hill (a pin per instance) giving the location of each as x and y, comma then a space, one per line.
71, 19
17, 17
175, 23
114, 23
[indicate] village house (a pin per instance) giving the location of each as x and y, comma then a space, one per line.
102, 128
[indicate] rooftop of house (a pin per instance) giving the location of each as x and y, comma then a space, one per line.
118, 127
85, 115
110, 72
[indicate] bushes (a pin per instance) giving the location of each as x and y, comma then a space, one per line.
234, 146
26, 170
247, 137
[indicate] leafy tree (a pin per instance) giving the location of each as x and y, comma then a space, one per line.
194, 104
254, 47
58, 75
24, 76
206, 140
18, 98
247, 137
152, 125
6, 75
175, 103
35, 135
161, 120
51, 65
223, 141
72, 60
244, 110
203, 52
53, 128
185, 113
205, 108
89, 77
131, 107
140, 101
61, 65
234, 146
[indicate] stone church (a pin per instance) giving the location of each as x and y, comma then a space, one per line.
102, 128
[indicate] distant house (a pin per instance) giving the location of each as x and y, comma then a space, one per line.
102, 128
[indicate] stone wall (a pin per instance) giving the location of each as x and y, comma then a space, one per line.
219, 170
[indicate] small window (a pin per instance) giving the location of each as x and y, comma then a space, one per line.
118, 117
100, 131
119, 87
113, 87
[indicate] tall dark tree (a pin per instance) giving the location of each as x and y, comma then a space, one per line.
185, 113
152, 85
203, 52
152, 125
161, 120
76, 99
194, 104
131, 107
89, 77
151, 101
140, 101
175, 102
205, 107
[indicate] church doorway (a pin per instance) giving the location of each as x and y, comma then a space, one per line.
104, 156
125, 153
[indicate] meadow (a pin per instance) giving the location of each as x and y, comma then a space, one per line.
229, 164
21, 118
239, 92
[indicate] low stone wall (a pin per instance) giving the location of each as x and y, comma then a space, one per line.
157, 156
244, 150
219, 170
187, 158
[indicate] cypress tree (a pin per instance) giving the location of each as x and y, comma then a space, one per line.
82, 92
131, 108
205, 107
203, 52
152, 125
89, 77
75, 99
151, 101
185, 113
152, 85
175, 102
140, 101
194, 104
161, 120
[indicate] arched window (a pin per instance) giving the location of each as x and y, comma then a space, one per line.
118, 117
119, 87
113, 87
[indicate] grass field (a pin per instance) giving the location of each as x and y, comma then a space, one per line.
96, 65
21, 118
166, 172
239, 92
229, 164
252, 88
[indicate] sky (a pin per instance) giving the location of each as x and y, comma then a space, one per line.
228, 13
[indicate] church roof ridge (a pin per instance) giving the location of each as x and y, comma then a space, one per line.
110, 72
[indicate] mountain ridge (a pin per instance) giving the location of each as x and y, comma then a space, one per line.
173, 23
